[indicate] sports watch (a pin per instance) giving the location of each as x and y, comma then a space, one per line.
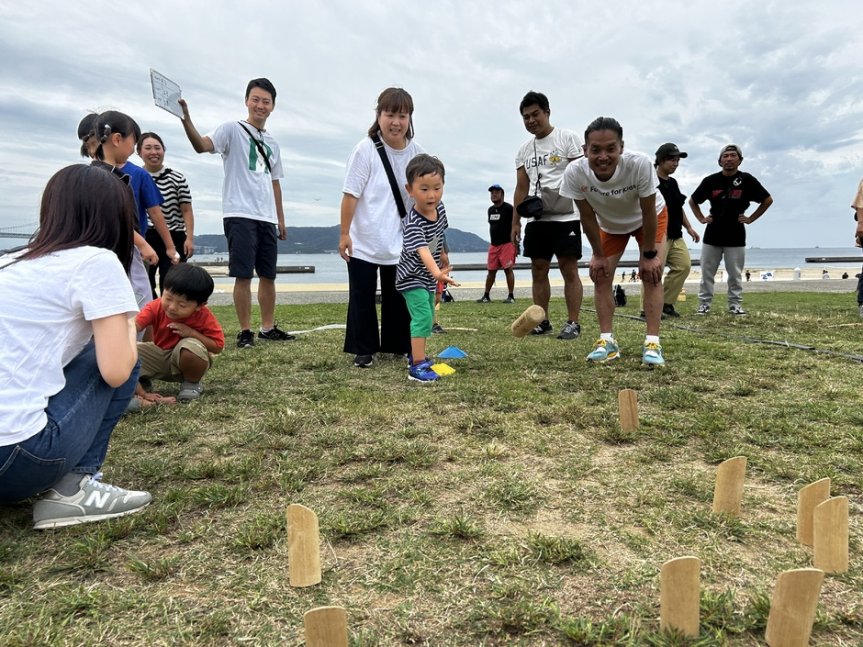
650, 253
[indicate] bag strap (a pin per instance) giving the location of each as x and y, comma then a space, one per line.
400, 204
538, 174
260, 145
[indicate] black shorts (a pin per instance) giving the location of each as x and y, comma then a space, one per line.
252, 247
545, 239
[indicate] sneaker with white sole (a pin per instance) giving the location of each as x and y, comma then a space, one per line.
651, 354
571, 330
275, 334
542, 328
604, 350
364, 361
422, 372
736, 309
703, 309
509, 299
95, 501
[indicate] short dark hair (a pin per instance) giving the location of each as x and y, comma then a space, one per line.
111, 122
534, 99
424, 164
189, 281
150, 136
263, 84
394, 100
604, 123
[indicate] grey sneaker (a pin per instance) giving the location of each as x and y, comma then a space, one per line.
703, 309
483, 299
95, 501
571, 330
190, 391
736, 309
509, 299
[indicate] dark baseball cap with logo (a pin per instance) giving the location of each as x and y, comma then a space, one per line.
669, 150
495, 187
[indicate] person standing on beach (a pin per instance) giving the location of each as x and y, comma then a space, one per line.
857, 205
539, 167
501, 251
370, 241
730, 193
254, 219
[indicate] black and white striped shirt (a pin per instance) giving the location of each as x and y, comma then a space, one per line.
175, 190
417, 232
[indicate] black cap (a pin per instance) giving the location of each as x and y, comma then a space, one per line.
495, 187
669, 150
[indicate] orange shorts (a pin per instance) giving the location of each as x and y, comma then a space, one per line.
614, 244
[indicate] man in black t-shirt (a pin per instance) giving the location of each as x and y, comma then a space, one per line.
730, 193
501, 252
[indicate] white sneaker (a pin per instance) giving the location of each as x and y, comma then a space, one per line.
95, 501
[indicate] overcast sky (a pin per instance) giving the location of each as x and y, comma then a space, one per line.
783, 80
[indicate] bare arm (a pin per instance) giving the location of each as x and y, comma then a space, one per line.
649, 268
349, 207
280, 210
764, 206
199, 143
183, 330
688, 227
116, 347
590, 226
147, 252
161, 227
189, 223
438, 273
522, 186
696, 211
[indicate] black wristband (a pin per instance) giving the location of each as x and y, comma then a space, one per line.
650, 253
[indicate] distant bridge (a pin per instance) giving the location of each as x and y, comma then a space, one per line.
18, 231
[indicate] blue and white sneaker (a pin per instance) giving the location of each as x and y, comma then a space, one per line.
652, 355
604, 350
422, 372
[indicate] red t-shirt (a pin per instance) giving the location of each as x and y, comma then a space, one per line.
203, 321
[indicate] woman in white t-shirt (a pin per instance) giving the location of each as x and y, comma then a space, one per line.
371, 230
67, 351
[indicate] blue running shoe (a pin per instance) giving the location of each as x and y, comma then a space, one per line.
422, 372
652, 355
604, 351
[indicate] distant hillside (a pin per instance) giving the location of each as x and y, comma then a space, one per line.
325, 240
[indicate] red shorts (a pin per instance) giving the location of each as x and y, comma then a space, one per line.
614, 244
501, 257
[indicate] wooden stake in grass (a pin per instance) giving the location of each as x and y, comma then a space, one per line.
830, 535
729, 486
627, 401
527, 321
792, 607
807, 498
326, 627
304, 553
679, 595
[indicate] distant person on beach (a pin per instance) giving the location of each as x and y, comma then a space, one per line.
176, 208
254, 219
553, 228
616, 193
748, 276
857, 205
186, 335
370, 240
423, 262
501, 251
67, 351
730, 193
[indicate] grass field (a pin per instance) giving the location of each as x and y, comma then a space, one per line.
503, 505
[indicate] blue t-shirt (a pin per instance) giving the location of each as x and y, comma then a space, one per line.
145, 191
418, 231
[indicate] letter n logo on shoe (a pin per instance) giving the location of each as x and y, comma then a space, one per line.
97, 499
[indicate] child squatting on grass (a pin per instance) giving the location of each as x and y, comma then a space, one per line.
423, 261
185, 334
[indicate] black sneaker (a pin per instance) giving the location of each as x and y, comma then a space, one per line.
364, 361
484, 299
669, 311
542, 328
437, 328
509, 299
275, 335
245, 339
571, 330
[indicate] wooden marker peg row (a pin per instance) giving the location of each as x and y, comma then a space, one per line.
792, 607
679, 595
304, 551
807, 498
830, 535
527, 321
326, 627
627, 401
728, 493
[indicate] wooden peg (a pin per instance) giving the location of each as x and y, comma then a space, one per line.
792, 607
304, 552
807, 498
830, 535
326, 627
729, 486
627, 400
527, 321
679, 595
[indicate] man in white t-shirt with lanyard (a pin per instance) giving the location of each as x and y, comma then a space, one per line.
251, 205
616, 193
539, 165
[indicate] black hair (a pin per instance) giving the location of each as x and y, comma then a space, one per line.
263, 84
86, 129
424, 164
84, 205
113, 122
394, 100
534, 99
151, 136
189, 281
604, 123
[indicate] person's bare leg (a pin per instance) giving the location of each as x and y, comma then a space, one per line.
192, 367
267, 302
510, 280
489, 280
243, 302
602, 296
573, 290
541, 287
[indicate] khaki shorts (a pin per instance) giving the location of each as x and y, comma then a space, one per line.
160, 364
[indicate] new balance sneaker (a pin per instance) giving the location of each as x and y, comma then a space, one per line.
736, 309
484, 299
364, 361
542, 328
190, 391
703, 309
604, 350
669, 311
95, 501
245, 339
275, 334
437, 328
571, 330
422, 372
651, 355
509, 299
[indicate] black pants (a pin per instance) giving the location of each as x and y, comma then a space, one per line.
361, 334
155, 241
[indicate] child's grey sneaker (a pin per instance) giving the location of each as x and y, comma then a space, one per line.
95, 501
190, 391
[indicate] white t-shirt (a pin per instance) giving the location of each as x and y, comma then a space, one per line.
247, 191
552, 155
376, 230
47, 306
615, 202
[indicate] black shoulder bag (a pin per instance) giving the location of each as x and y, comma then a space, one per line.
260, 145
397, 194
